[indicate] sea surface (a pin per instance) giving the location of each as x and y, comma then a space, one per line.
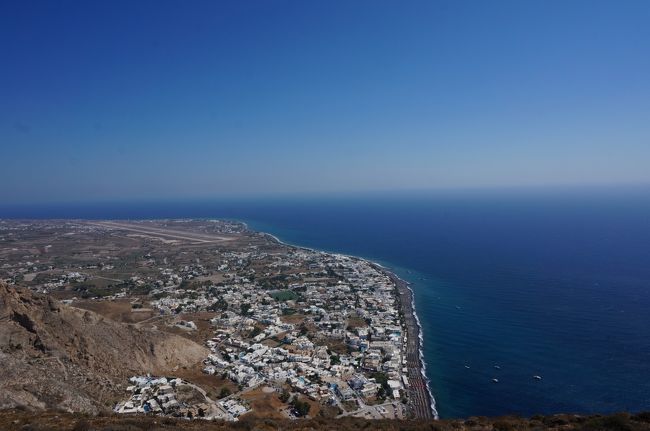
508, 284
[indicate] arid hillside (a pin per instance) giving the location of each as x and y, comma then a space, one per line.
56, 356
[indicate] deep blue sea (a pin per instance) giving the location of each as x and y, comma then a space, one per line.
554, 283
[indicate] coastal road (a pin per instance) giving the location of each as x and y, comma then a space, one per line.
419, 397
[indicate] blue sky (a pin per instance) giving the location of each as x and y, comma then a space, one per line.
167, 99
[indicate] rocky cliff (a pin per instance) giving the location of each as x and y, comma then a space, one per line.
57, 356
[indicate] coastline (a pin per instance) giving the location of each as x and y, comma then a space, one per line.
421, 400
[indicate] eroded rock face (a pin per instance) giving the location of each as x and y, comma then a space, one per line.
56, 356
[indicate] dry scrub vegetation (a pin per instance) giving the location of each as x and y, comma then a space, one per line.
23, 420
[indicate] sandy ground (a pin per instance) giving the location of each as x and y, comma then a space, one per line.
119, 310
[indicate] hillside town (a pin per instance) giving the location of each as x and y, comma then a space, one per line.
321, 331
346, 349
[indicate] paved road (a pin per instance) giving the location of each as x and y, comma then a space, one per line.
216, 411
374, 411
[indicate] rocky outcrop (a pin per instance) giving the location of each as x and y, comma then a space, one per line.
56, 356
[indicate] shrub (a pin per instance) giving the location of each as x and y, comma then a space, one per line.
224, 392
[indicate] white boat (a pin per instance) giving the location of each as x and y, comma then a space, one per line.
495, 380
537, 377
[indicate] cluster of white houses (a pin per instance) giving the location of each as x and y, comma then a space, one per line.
338, 299
158, 395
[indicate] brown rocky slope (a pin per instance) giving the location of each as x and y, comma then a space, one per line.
57, 356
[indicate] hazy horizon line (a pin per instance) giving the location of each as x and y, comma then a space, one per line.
305, 195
